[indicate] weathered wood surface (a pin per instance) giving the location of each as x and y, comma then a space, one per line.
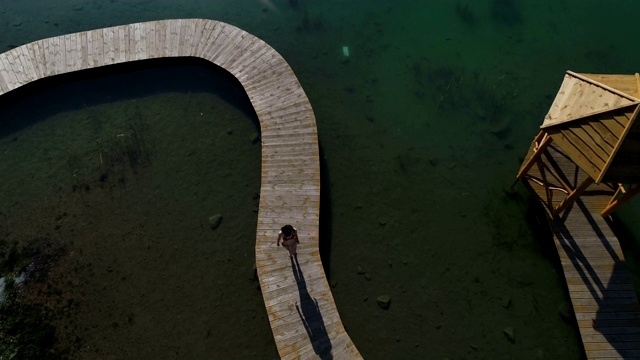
579, 97
603, 297
301, 308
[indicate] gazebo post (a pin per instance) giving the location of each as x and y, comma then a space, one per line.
541, 142
591, 122
573, 195
616, 202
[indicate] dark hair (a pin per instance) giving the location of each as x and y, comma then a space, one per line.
287, 230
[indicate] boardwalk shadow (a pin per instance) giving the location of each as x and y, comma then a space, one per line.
616, 308
311, 317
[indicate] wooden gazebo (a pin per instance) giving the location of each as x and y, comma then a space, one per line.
592, 121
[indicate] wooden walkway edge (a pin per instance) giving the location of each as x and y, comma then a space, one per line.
599, 284
302, 312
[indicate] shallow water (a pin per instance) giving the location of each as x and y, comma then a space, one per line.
423, 127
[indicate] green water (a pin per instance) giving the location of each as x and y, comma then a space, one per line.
422, 127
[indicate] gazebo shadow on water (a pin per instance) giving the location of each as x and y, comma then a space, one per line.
310, 315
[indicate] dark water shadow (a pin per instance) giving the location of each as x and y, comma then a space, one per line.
310, 315
618, 315
325, 230
630, 247
53, 95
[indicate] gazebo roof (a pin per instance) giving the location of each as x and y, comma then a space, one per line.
592, 120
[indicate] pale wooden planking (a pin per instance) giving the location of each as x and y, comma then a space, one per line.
290, 187
578, 97
212, 41
8, 73
624, 83
600, 288
251, 58
95, 48
34, 57
204, 29
187, 34
221, 43
150, 39
614, 354
109, 46
15, 68
26, 59
234, 42
161, 34
121, 35
173, 37
243, 54
3, 83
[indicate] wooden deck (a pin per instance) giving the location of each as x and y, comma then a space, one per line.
603, 297
301, 309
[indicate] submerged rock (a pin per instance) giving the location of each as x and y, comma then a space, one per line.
510, 334
565, 311
2, 283
384, 301
215, 221
506, 302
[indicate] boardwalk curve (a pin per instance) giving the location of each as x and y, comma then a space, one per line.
302, 312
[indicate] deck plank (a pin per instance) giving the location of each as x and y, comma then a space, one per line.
290, 185
602, 294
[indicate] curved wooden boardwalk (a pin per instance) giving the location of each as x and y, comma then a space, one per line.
302, 312
599, 284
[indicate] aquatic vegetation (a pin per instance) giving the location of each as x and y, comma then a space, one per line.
25, 329
25, 332
309, 23
294, 4
468, 94
115, 156
465, 14
506, 12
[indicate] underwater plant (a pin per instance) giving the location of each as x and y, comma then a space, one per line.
465, 14
506, 12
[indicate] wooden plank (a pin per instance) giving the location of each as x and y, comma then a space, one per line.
603, 85
612, 125
583, 147
290, 189
161, 46
627, 128
581, 159
108, 56
150, 37
16, 67
27, 59
595, 144
37, 48
7, 72
624, 83
604, 300
614, 354
202, 32
173, 37
605, 138
126, 52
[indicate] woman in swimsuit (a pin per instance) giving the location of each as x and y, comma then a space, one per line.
289, 237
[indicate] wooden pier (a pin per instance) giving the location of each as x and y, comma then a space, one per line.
301, 308
602, 294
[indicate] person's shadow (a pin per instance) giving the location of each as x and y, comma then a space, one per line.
310, 315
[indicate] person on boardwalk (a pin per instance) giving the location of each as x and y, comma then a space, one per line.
289, 237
